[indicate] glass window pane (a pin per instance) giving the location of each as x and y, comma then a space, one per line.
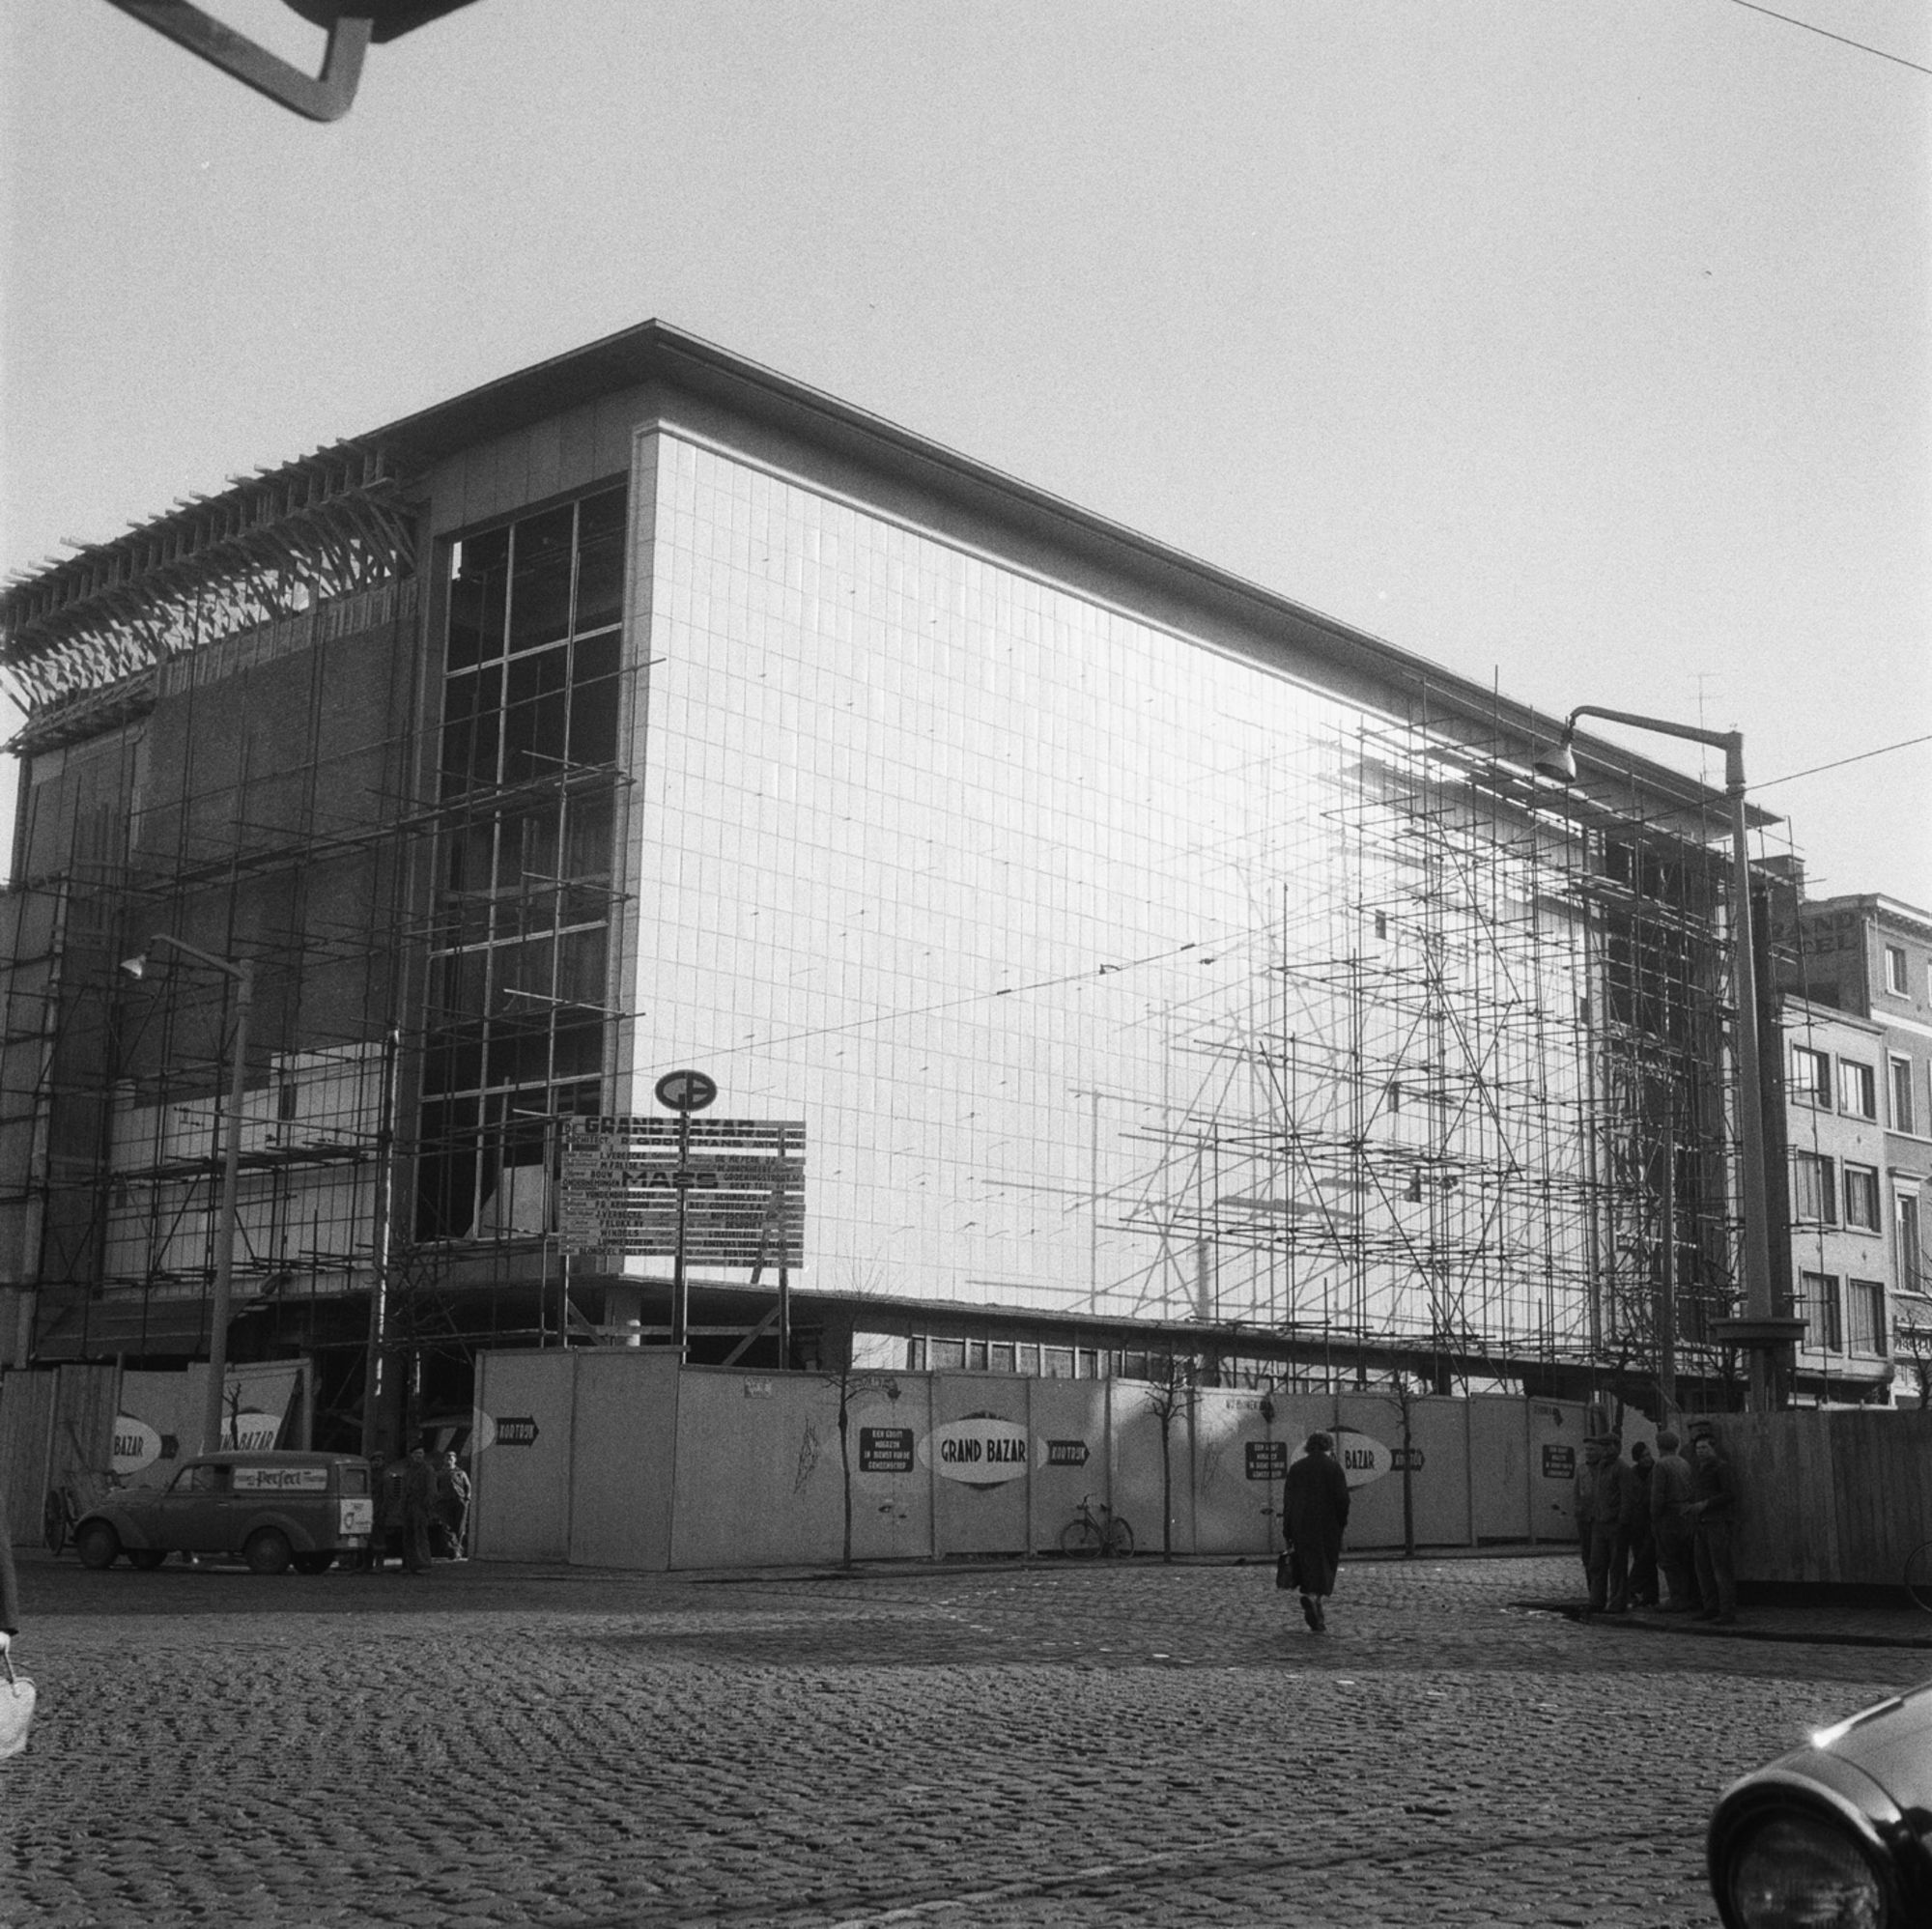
540, 580
480, 572
600, 563
580, 966
593, 702
471, 718
533, 718
577, 1048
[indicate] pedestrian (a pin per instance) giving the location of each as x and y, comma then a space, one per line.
9, 1583
1599, 1504
452, 1507
1715, 1507
1673, 1525
418, 1485
1635, 1557
1315, 1510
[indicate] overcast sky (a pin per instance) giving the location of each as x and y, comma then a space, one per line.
1581, 344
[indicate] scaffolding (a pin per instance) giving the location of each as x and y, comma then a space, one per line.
1473, 1122
227, 747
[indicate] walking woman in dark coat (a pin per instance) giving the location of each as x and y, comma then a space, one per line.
1315, 1509
10, 1588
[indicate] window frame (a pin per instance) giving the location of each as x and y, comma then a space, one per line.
1901, 1114
1823, 1169
1897, 971
1829, 1302
1870, 1293
1811, 1076
1867, 1187
1865, 1080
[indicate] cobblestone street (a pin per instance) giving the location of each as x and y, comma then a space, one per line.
1050, 1744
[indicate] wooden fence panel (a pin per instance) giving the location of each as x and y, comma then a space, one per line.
1830, 1497
26, 1432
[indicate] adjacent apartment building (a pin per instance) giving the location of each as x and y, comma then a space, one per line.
1856, 971
1093, 956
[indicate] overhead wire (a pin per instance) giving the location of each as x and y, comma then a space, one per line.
1838, 763
1790, 20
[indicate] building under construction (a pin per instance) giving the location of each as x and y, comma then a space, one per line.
1145, 964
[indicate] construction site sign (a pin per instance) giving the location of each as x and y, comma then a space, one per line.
731, 1189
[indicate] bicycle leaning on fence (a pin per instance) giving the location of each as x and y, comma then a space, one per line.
1918, 1576
1099, 1532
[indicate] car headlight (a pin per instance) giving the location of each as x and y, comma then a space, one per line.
1798, 1870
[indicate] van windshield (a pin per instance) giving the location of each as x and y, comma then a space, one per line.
201, 1478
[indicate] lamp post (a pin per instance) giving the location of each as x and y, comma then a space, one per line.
242, 972
1760, 1332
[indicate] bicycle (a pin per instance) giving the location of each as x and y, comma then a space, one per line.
1918, 1576
1104, 1533
68, 1500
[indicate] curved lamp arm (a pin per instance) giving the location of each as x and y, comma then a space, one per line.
323, 96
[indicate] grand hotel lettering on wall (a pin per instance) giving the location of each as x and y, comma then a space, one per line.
741, 1181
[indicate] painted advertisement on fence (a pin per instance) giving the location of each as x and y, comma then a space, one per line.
159, 1421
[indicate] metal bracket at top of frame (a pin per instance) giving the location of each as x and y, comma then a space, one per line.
323, 96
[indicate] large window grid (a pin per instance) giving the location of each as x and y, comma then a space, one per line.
517, 996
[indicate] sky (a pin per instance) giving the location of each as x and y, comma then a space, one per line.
1581, 346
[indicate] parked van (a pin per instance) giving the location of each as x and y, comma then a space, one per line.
273, 1510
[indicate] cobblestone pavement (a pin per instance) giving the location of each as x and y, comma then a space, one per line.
1064, 1745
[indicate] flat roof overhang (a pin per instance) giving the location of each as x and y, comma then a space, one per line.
61, 608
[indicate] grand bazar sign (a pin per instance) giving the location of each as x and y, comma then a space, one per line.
980, 1451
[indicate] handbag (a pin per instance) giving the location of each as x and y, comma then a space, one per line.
1284, 1572
16, 1710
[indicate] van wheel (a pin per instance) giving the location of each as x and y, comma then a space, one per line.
98, 1544
314, 1563
268, 1551
146, 1559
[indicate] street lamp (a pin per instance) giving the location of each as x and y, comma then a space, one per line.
242, 972
1760, 1332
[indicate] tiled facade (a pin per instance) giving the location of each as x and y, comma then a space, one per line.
972, 871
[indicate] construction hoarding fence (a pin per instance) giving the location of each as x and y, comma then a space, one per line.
609, 1458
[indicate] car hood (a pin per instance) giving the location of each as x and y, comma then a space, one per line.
1891, 1743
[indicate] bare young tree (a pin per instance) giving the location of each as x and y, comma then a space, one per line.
1402, 1393
1174, 1389
852, 1386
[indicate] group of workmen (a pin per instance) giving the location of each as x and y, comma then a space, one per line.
423, 1505
1655, 1530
